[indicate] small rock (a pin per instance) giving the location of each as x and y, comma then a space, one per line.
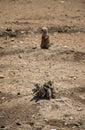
65, 46
74, 78
1, 77
18, 93
71, 118
22, 32
33, 116
18, 123
65, 124
3, 98
78, 10
21, 42
12, 39
8, 29
79, 109
34, 48
20, 56
2, 126
62, 1
1, 47
73, 127
46, 120
14, 73
66, 15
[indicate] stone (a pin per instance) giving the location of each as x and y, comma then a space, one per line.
2, 126
18, 93
20, 56
18, 123
1, 77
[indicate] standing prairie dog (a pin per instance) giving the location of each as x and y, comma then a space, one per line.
45, 42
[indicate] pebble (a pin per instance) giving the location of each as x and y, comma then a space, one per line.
62, 1
65, 46
1, 47
18, 123
33, 116
1, 77
14, 73
22, 32
21, 42
74, 78
71, 118
65, 124
79, 109
46, 120
34, 48
73, 127
3, 98
2, 126
18, 93
20, 56
12, 39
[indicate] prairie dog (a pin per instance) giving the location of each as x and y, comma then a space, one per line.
45, 42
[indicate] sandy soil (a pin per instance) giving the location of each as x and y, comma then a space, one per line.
23, 63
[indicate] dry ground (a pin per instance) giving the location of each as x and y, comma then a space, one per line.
23, 63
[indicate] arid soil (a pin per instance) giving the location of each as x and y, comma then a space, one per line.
23, 64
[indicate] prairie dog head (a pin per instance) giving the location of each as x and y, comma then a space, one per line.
44, 30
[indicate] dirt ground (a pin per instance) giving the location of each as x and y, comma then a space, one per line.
23, 64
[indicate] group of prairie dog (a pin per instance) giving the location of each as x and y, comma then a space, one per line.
45, 42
